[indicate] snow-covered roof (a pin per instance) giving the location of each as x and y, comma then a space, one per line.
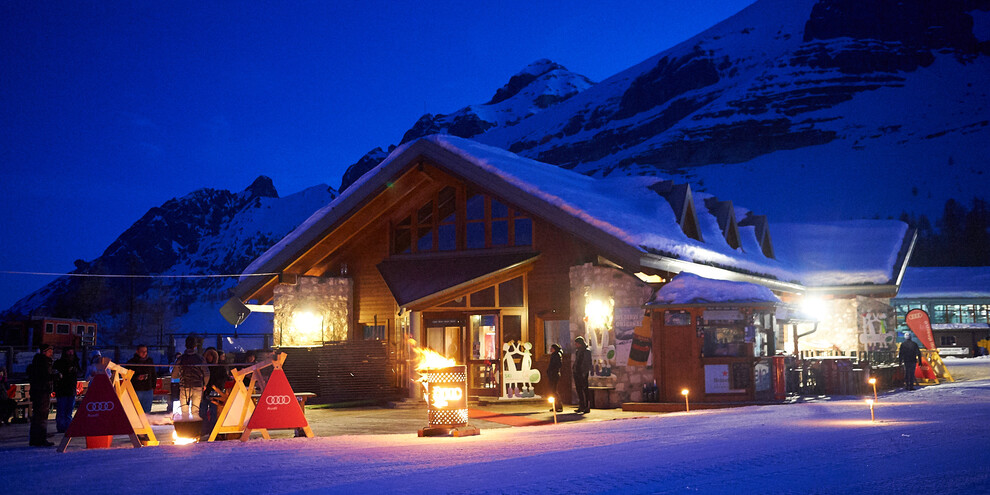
687, 288
841, 253
946, 282
625, 215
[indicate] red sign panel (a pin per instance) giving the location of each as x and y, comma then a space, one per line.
277, 407
917, 320
100, 412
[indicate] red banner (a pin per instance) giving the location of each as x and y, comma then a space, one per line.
277, 407
100, 412
917, 320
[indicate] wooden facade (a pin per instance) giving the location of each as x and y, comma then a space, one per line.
367, 238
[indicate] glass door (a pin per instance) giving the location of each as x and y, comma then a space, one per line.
485, 348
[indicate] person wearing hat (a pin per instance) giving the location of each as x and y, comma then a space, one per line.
40, 376
909, 355
553, 374
580, 370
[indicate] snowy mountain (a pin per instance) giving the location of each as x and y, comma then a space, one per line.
802, 109
208, 231
538, 86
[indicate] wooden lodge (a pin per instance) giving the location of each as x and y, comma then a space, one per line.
478, 254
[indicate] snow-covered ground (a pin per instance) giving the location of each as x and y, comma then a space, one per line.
934, 439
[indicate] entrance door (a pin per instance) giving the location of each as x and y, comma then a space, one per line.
483, 354
446, 340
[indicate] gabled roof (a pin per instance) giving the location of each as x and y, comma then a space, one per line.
725, 215
961, 282
624, 217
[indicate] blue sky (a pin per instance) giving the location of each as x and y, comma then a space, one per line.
108, 109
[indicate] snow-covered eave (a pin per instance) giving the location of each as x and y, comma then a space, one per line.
677, 266
875, 290
324, 220
912, 240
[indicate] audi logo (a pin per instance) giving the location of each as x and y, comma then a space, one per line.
99, 406
278, 400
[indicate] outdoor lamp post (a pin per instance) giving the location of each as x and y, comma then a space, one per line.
687, 407
873, 381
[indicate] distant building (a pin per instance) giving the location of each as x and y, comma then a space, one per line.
58, 332
957, 300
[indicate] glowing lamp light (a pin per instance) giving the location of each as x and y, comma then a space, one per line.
553, 408
870, 402
687, 407
306, 327
598, 314
814, 307
873, 381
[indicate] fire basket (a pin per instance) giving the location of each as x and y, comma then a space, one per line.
446, 402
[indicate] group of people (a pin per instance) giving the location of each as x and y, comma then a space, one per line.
199, 378
580, 372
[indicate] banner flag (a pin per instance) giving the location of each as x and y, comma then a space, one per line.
917, 320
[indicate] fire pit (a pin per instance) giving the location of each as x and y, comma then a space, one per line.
187, 430
446, 402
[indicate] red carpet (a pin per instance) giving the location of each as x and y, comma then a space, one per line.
507, 419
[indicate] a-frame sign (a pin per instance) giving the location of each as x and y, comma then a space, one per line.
129, 400
100, 413
237, 406
278, 408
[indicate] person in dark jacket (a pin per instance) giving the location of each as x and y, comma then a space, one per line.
40, 377
192, 378
69, 370
553, 375
7, 404
144, 376
580, 370
909, 355
214, 387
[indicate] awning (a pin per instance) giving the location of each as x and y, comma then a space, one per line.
414, 279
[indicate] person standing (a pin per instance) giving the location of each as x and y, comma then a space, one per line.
214, 387
41, 376
69, 370
580, 371
144, 376
553, 375
7, 404
173, 385
192, 378
909, 355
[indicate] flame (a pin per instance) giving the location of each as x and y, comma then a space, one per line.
177, 440
427, 359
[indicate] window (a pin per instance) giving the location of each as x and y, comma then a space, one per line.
49, 328
510, 294
374, 332
557, 332
724, 341
91, 330
80, 329
62, 328
947, 340
487, 223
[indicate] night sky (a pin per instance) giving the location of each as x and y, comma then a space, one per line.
108, 109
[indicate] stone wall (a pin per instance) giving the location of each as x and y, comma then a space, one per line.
324, 301
624, 294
